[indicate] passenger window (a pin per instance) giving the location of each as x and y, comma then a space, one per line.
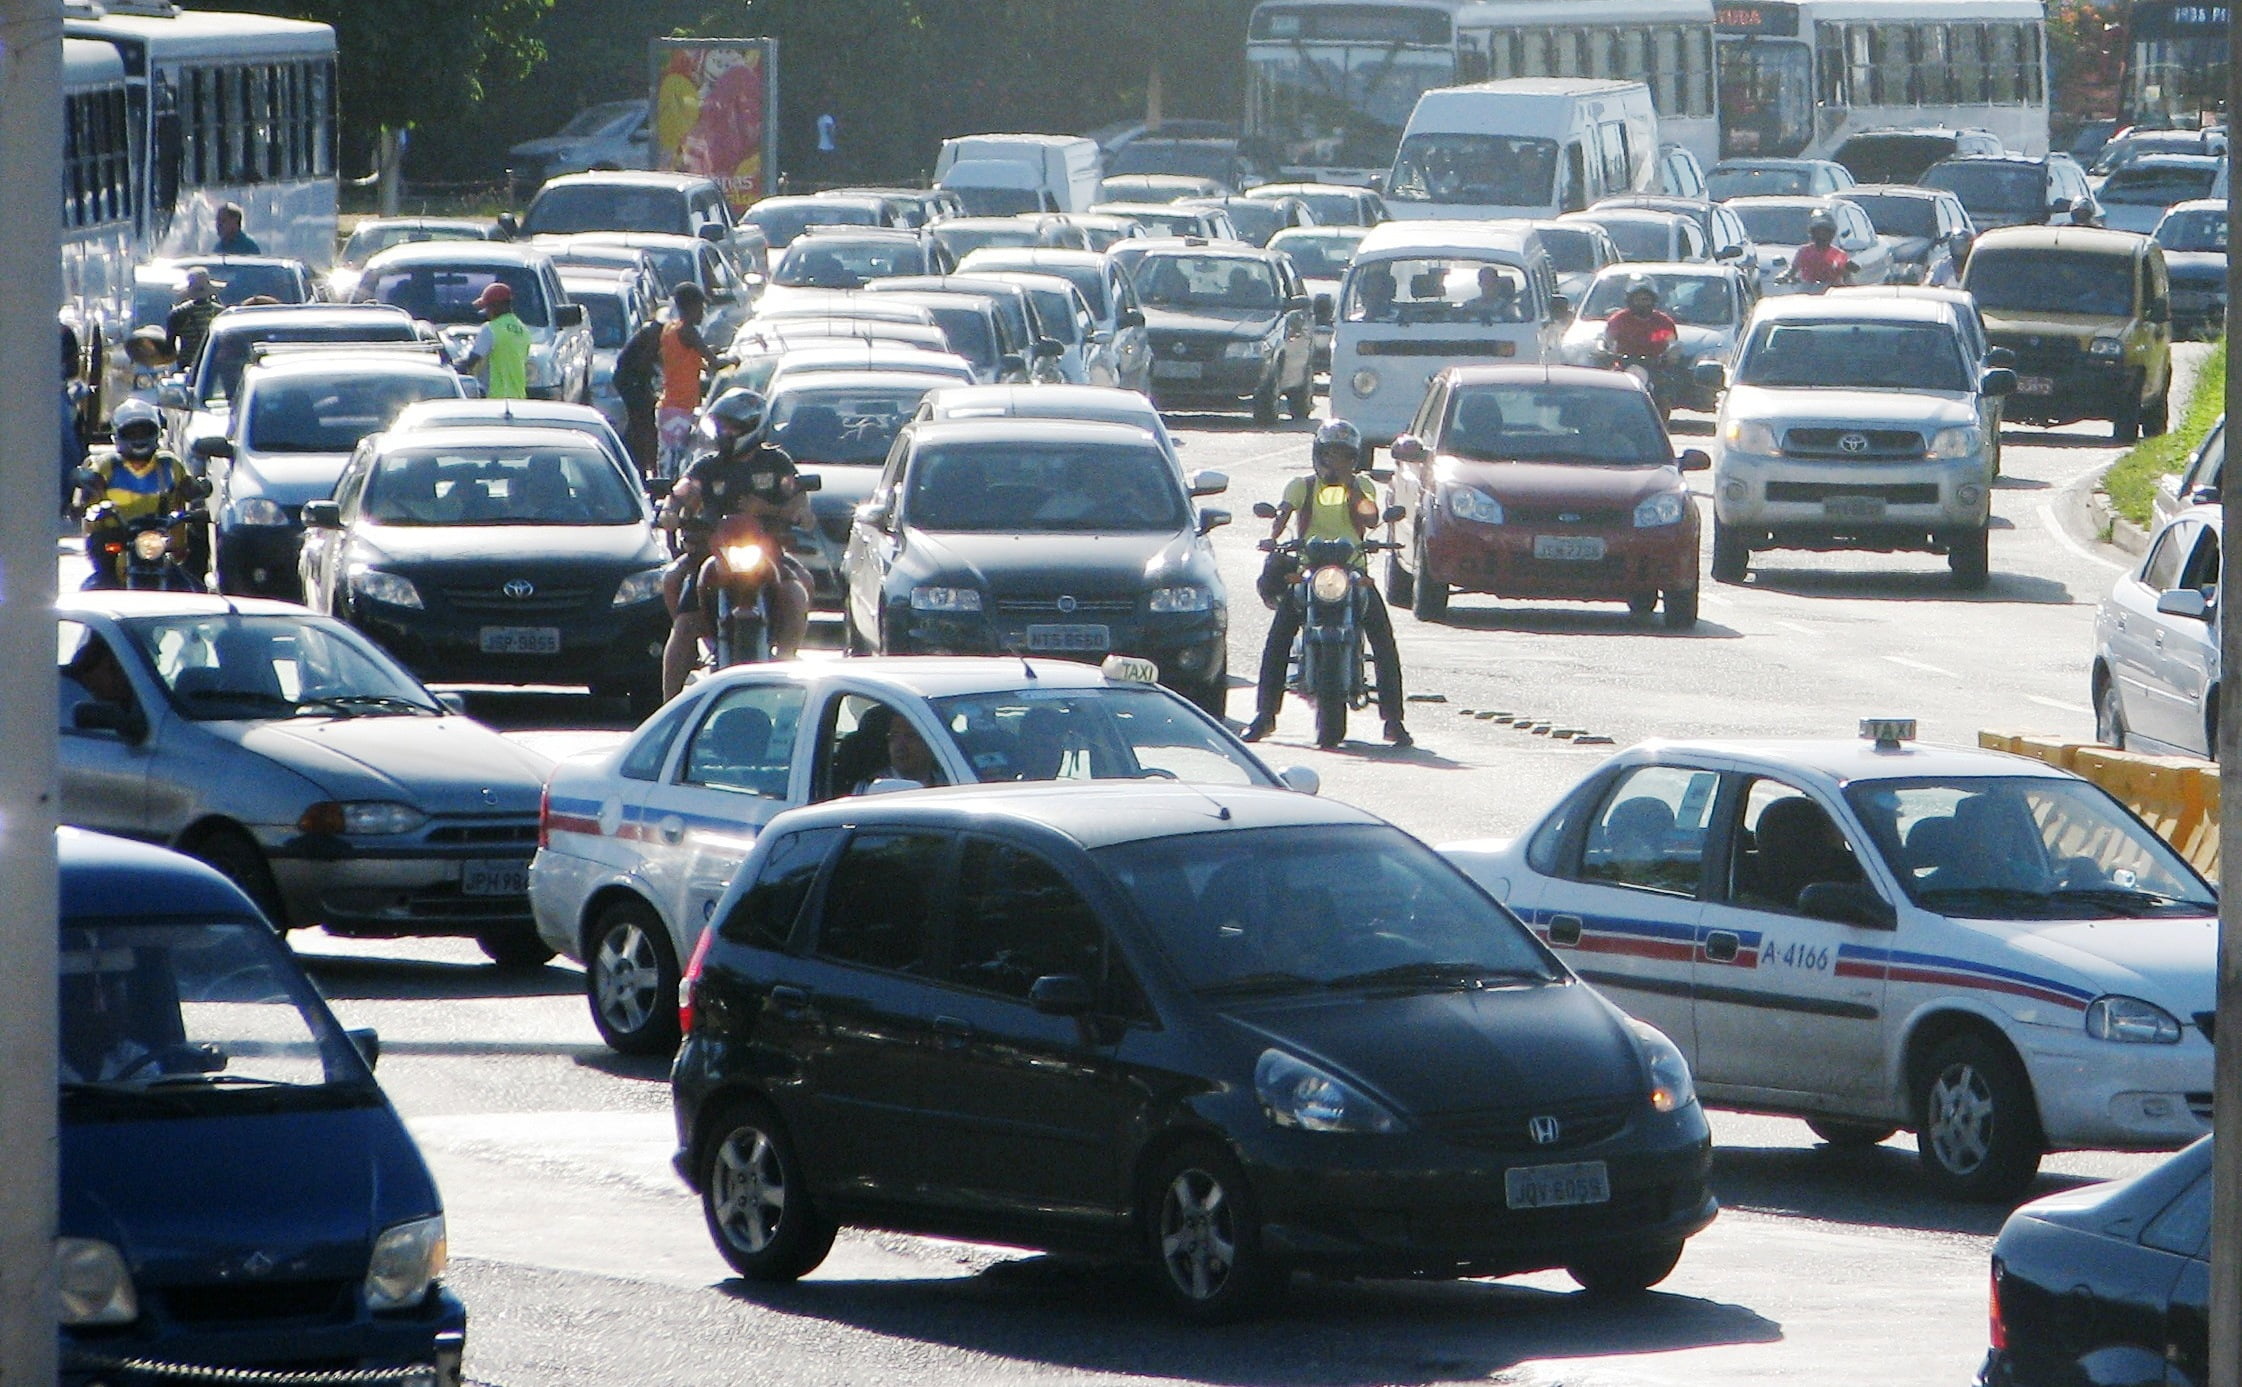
644, 761
2185, 1225
1786, 843
865, 740
765, 917
2201, 571
746, 744
879, 905
2162, 571
1572, 179
1018, 919
88, 671
1650, 832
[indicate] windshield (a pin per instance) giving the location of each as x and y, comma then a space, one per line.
961, 241
238, 283
226, 353
1697, 300
1487, 170
1554, 423
183, 1019
1894, 215
1333, 209
843, 262
782, 223
611, 323
593, 119
1292, 909
1337, 106
996, 202
1044, 488
1156, 222
371, 239
1766, 96
490, 485
971, 332
221, 668
851, 426
331, 413
1318, 254
2198, 229
1639, 238
2157, 185
2024, 848
2051, 281
1892, 158
1207, 281
1775, 224
1572, 250
2016, 190
1780, 181
1057, 314
1255, 221
1853, 356
1438, 291
1114, 733
446, 294
1186, 160
1087, 276
594, 207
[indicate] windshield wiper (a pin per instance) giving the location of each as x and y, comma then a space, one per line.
124, 1092
387, 702
178, 1081
2130, 898
2006, 897
1458, 975
1258, 985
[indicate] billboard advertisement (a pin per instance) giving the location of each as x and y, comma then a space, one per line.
716, 113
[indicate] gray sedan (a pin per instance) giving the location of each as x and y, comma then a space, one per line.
290, 753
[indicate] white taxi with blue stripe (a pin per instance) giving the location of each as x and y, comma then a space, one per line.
637, 841
1875, 935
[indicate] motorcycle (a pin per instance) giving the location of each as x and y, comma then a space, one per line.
734, 589
1331, 662
146, 553
1660, 372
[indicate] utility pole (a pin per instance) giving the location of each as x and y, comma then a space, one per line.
30, 382
2226, 1082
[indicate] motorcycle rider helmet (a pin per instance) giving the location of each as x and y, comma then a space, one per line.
138, 428
1641, 286
1337, 439
738, 412
1821, 221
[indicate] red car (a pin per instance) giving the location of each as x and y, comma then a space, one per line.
1545, 482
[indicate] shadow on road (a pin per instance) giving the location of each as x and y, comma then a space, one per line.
2049, 438
343, 978
1576, 621
1881, 1187
1923, 585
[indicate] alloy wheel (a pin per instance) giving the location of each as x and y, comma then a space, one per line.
748, 1189
1961, 1118
628, 976
1198, 1237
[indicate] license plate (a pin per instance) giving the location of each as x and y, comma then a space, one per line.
1573, 547
494, 878
1554, 1186
1070, 638
1178, 370
2035, 385
521, 640
1853, 507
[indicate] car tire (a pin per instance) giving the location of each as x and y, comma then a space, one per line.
630, 979
237, 858
1849, 1136
2125, 425
1430, 600
514, 946
1627, 1273
1203, 1236
1732, 557
1265, 406
1300, 403
2109, 716
1978, 1131
755, 1198
1970, 560
2158, 416
1681, 608
1401, 584
1642, 603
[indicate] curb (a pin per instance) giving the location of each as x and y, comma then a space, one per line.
2123, 533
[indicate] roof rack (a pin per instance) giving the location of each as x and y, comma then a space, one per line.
260, 351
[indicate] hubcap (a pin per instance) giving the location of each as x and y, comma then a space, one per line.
627, 977
1961, 1119
1198, 1242
747, 1189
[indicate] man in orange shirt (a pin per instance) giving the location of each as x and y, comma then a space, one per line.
685, 358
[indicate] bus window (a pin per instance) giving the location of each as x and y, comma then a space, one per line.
1934, 69
2003, 58
1611, 137
1966, 45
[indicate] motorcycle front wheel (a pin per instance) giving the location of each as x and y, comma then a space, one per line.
1330, 693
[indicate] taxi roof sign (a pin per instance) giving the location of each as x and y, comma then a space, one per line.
1132, 669
1888, 733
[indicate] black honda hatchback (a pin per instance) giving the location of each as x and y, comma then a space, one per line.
1229, 1033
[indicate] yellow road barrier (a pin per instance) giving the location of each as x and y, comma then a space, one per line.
2178, 796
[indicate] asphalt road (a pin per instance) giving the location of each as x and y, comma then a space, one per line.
583, 1259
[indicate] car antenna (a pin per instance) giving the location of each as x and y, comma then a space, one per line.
1221, 810
1027, 667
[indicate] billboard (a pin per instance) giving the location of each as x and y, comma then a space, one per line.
716, 113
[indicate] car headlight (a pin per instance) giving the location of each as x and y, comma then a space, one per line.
1364, 383
2131, 1020
360, 816
1252, 350
1663, 509
1750, 436
1468, 503
1670, 1087
1188, 598
639, 587
1960, 442
392, 589
406, 1262
1295, 1093
257, 510
2106, 348
1330, 584
932, 599
92, 1283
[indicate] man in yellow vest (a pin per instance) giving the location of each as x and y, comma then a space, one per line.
500, 356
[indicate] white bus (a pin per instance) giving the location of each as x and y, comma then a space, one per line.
99, 196
1798, 76
2175, 64
1667, 44
227, 108
1330, 83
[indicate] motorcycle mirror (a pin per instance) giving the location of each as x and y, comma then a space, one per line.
196, 488
1709, 375
1264, 511
214, 446
810, 481
1394, 515
322, 515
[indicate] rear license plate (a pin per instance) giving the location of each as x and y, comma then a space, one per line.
494, 878
1178, 370
1554, 1186
1070, 638
1575, 547
1853, 507
2035, 385
521, 640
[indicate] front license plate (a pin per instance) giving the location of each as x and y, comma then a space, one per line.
1070, 638
1575, 547
1554, 1186
1853, 507
494, 878
1178, 370
521, 640
2035, 385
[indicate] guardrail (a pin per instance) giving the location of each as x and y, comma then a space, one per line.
2178, 796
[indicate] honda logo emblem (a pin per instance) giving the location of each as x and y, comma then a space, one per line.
1067, 604
1544, 1130
520, 588
1852, 443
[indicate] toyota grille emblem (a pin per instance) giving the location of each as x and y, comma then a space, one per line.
1569, 517
1544, 1130
1852, 443
1180, 349
258, 1264
1067, 604
520, 588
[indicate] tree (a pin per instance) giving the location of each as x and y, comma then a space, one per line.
2086, 53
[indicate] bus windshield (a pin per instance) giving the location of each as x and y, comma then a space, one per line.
1475, 170
1766, 97
1334, 105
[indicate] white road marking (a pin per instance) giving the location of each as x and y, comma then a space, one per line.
2057, 703
2054, 526
1922, 665
1799, 626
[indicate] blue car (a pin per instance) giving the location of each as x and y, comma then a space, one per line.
236, 1190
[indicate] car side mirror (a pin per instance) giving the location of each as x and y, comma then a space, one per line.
711, 231
1062, 994
568, 314
2160, 312
1049, 349
1300, 780
1998, 382
509, 226
1847, 903
214, 446
453, 702
2002, 357
1560, 308
2204, 496
100, 715
174, 397
1130, 318
322, 515
367, 1042
2061, 207
1298, 303
1695, 460
875, 514
1211, 518
1709, 375
2185, 602
1409, 449
1324, 310
1012, 362
1393, 515
1262, 510
1729, 253
810, 481
1209, 483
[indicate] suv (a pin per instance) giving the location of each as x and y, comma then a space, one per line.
2016, 190
2088, 313
1853, 423
679, 204
610, 135
1900, 156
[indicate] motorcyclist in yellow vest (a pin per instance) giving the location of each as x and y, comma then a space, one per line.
501, 351
136, 478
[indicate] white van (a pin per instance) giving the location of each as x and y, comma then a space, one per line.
1000, 175
1421, 297
1524, 147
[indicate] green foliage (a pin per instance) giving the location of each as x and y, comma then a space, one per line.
2131, 480
2085, 50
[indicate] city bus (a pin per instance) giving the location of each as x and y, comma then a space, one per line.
1666, 44
2175, 65
1798, 76
99, 196
1331, 83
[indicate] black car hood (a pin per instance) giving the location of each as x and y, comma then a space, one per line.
841, 487
1246, 323
405, 547
2195, 266
1007, 565
1451, 1051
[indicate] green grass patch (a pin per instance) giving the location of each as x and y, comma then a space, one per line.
2131, 480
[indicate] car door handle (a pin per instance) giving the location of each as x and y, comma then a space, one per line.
1720, 946
1564, 930
952, 1032
790, 1001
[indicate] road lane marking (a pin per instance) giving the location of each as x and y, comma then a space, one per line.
1922, 665
1799, 626
2058, 703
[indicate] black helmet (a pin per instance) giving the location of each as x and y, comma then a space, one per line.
1821, 221
737, 409
137, 428
1338, 436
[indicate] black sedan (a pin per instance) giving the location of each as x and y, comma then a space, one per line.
1226, 1032
1039, 536
2109, 1284
1228, 324
494, 556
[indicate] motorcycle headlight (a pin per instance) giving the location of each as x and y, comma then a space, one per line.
1295, 1093
1468, 503
1330, 584
92, 1283
1364, 383
639, 587
1750, 436
1189, 598
392, 589
406, 1262
1665, 509
2106, 348
742, 559
149, 545
1958, 442
2132, 1021
258, 510
378, 817
1670, 1087
936, 599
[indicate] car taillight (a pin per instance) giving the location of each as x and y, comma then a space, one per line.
545, 817
690, 981
1996, 1327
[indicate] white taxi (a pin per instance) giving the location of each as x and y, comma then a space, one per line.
637, 841
1874, 935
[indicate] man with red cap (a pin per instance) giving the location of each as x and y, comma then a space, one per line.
500, 355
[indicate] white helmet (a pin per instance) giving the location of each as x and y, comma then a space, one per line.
138, 429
